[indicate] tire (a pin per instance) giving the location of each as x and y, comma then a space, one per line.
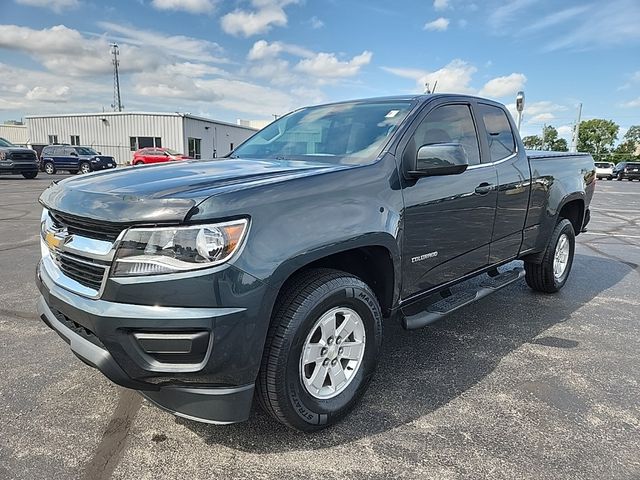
609, 177
30, 175
139, 162
49, 168
309, 298
85, 167
619, 177
541, 276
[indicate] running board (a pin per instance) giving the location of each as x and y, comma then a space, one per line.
444, 307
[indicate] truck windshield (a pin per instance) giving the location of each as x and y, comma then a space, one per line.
356, 131
5, 143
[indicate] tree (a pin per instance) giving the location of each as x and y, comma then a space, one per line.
626, 151
597, 136
532, 142
550, 140
633, 135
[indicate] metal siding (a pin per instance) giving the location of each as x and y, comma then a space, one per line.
110, 137
16, 134
218, 136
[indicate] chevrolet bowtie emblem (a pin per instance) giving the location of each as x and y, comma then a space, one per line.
55, 239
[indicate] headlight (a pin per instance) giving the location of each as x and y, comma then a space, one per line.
152, 251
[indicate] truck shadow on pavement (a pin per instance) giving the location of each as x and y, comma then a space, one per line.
423, 370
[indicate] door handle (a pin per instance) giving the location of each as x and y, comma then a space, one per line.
484, 188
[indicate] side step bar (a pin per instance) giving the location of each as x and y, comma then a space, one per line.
443, 307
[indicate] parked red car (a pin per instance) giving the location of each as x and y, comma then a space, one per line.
156, 155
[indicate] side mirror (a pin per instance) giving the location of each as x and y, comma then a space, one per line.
99, 153
74, 154
440, 159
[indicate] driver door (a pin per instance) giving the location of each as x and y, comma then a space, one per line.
448, 220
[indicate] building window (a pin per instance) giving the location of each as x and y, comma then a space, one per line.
136, 143
75, 139
53, 139
231, 147
194, 148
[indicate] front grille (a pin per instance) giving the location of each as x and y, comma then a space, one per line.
75, 327
31, 156
84, 272
87, 228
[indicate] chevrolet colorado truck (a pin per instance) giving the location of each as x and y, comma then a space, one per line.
16, 160
268, 274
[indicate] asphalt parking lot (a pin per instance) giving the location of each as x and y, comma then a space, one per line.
521, 385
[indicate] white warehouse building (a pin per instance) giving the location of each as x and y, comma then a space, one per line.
120, 134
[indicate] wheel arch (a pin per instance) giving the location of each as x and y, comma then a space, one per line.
375, 261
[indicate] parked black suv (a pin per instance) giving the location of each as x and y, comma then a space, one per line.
628, 170
73, 159
16, 160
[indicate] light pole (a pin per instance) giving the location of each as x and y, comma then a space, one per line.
520, 107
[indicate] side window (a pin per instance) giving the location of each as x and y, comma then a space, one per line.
447, 124
69, 151
499, 134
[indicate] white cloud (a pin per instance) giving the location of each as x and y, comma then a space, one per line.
437, 25
246, 23
55, 5
555, 18
327, 65
262, 50
504, 86
440, 4
316, 23
565, 131
191, 6
542, 117
454, 77
50, 95
507, 12
179, 46
632, 103
63, 48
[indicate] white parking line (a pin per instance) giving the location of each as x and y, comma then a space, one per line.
604, 234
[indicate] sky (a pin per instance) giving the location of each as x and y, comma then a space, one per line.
252, 59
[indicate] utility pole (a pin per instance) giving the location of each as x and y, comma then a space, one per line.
544, 137
117, 103
576, 130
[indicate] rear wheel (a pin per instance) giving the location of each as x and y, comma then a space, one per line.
551, 274
139, 162
30, 175
321, 351
49, 168
85, 167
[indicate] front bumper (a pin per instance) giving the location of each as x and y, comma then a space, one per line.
214, 384
12, 168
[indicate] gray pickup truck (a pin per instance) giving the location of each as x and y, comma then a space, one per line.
270, 273
16, 160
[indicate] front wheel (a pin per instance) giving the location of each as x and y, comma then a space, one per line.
85, 167
619, 177
321, 351
551, 274
30, 175
49, 168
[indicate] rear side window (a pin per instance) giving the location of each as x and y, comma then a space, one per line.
499, 135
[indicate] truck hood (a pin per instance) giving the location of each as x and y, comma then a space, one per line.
167, 192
